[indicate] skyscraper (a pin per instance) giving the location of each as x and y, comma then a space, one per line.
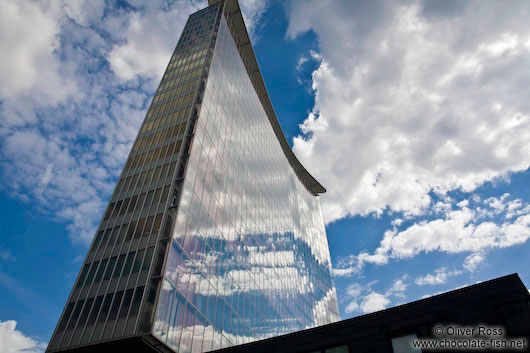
213, 235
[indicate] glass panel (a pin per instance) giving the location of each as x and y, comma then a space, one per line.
83, 275
126, 302
115, 305
136, 301
128, 264
75, 314
105, 308
108, 273
84, 313
91, 274
403, 344
95, 310
66, 316
339, 349
101, 270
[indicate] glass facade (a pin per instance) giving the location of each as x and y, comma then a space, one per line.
210, 238
249, 257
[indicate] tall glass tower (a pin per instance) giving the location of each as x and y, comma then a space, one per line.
213, 235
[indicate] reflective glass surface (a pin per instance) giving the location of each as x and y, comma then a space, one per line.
249, 257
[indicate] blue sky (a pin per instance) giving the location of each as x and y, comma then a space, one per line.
413, 114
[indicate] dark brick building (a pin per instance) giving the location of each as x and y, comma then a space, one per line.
501, 303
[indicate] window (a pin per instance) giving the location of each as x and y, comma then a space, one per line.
339, 349
148, 225
138, 261
139, 228
123, 232
86, 310
115, 305
109, 211
66, 316
92, 273
149, 198
117, 208
76, 313
105, 308
95, 310
132, 204
130, 232
99, 275
158, 221
128, 264
119, 265
83, 275
147, 261
136, 302
124, 208
403, 344
126, 302
108, 273
97, 241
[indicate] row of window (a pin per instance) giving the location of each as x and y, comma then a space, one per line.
153, 139
171, 105
193, 37
160, 153
87, 310
190, 43
192, 48
186, 49
147, 177
173, 131
194, 33
130, 263
172, 81
182, 77
133, 231
177, 91
128, 205
188, 67
175, 61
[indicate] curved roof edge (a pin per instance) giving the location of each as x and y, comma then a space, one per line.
239, 32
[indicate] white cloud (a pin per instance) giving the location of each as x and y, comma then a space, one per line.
84, 12
474, 260
440, 276
405, 103
398, 288
343, 272
458, 231
497, 204
374, 302
30, 67
364, 299
301, 61
14, 341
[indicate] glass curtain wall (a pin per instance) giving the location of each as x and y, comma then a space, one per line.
248, 257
